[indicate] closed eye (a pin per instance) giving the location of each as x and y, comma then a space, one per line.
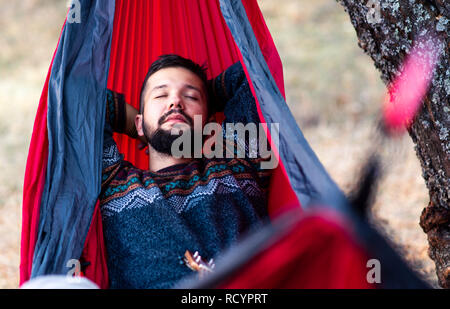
192, 98
161, 96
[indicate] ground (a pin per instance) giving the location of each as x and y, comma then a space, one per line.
332, 88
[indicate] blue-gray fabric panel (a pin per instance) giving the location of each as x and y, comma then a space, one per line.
75, 121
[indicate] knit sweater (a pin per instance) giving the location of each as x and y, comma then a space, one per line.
150, 219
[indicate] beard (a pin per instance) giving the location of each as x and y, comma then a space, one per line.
161, 140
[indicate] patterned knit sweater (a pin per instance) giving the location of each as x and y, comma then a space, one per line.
151, 218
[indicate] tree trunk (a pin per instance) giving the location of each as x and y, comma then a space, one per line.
385, 29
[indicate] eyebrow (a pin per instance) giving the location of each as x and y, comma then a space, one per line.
186, 85
192, 87
158, 87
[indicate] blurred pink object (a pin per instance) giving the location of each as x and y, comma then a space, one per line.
406, 92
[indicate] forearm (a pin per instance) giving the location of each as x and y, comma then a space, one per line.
223, 87
230, 93
121, 115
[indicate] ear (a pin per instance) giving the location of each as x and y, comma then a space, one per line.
138, 123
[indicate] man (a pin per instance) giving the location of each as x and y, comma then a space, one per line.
154, 219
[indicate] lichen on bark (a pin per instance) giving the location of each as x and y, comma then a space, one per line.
387, 39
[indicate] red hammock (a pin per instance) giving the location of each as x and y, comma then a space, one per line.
143, 30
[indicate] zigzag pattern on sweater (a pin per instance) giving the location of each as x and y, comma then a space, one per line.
111, 155
141, 197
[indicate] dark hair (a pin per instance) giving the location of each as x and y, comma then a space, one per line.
171, 61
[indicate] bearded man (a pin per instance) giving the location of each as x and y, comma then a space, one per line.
154, 219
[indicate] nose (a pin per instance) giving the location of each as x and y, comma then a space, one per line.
175, 102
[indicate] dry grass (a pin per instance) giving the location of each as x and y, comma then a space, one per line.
29, 32
332, 88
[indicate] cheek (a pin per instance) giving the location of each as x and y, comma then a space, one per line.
200, 109
153, 112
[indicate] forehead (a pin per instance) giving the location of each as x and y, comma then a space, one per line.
176, 77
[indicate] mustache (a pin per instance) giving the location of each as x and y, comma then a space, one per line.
176, 111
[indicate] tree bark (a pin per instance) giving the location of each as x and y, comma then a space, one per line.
386, 29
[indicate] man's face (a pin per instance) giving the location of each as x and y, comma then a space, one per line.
172, 97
